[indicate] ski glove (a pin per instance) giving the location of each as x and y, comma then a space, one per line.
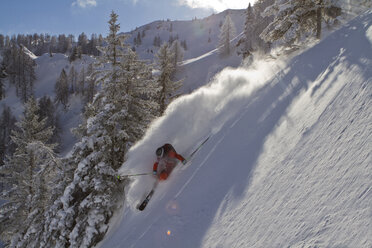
154, 173
184, 161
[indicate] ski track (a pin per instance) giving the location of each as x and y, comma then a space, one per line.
145, 232
290, 142
198, 168
189, 61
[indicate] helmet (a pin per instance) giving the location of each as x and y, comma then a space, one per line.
160, 152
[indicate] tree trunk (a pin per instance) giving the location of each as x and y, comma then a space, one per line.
319, 20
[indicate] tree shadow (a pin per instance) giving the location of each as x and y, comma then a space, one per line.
243, 138
219, 163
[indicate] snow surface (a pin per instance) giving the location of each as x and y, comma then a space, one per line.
195, 32
29, 53
288, 163
201, 61
48, 70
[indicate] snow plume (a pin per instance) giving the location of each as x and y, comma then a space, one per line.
191, 118
85, 3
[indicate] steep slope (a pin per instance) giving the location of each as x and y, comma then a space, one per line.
48, 70
288, 163
201, 60
200, 35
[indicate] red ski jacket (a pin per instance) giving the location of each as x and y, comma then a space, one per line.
166, 164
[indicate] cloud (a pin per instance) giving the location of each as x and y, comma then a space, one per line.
217, 5
85, 3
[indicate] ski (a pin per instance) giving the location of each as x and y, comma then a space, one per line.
142, 206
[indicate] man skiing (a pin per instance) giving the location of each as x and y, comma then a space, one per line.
167, 159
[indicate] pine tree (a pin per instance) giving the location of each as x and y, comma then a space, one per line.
53, 45
61, 89
28, 75
227, 33
295, 19
73, 55
80, 87
26, 174
184, 45
20, 68
47, 110
157, 41
178, 52
260, 23
72, 80
2, 90
2, 41
141, 89
139, 40
90, 90
7, 125
248, 32
92, 45
2, 76
165, 59
115, 119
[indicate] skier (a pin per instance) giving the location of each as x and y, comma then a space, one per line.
167, 159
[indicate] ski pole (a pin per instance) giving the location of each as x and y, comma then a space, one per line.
198, 148
133, 175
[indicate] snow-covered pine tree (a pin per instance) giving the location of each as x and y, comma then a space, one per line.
2, 88
20, 68
26, 174
141, 90
168, 87
228, 32
47, 110
73, 55
61, 89
2, 74
72, 79
90, 89
2, 41
80, 87
355, 7
260, 24
295, 19
115, 119
178, 52
7, 124
26, 75
247, 40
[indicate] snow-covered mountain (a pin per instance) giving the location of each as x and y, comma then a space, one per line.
288, 162
202, 62
201, 35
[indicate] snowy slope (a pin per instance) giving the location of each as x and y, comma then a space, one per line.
201, 61
195, 74
196, 33
288, 163
48, 70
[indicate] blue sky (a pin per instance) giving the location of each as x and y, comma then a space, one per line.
91, 16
